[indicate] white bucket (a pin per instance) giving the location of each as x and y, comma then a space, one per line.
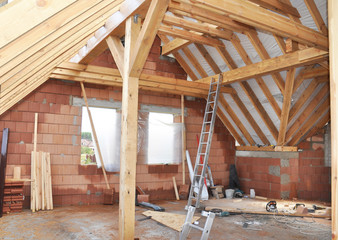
229, 193
252, 193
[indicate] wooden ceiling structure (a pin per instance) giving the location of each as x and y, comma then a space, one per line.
204, 36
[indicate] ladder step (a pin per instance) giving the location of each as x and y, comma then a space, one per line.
196, 227
210, 102
208, 122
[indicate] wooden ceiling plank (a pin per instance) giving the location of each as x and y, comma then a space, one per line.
247, 13
260, 109
204, 52
197, 27
193, 60
190, 10
236, 120
41, 58
38, 39
190, 36
256, 42
180, 59
31, 12
310, 122
290, 77
272, 65
278, 6
174, 46
303, 98
126, 9
250, 119
317, 18
147, 35
237, 44
307, 112
229, 126
117, 50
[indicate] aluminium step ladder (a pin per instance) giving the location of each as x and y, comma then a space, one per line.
201, 164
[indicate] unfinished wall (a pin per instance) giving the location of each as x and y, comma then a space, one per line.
287, 175
59, 132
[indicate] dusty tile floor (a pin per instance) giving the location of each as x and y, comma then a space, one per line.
101, 222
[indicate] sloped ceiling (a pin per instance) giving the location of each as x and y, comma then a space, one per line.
279, 45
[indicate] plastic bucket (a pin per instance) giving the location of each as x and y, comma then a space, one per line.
229, 193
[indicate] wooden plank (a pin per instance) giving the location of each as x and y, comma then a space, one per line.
31, 12
175, 188
174, 45
127, 9
33, 182
147, 35
184, 140
260, 109
235, 119
3, 164
333, 35
172, 220
95, 136
290, 77
247, 13
318, 126
306, 112
307, 73
128, 153
191, 10
197, 27
317, 18
49, 176
190, 36
226, 57
38, 180
267, 148
278, 6
117, 50
277, 64
43, 180
250, 119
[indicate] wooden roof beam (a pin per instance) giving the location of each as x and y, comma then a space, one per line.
117, 50
203, 51
272, 65
174, 45
197, 27
190, 36
308, 73
127, 8
317, 18
193, 60
290, 77
267, 148
247, 13
278, 6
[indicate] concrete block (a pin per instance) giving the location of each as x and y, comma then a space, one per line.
274, 170
285, 195
285, 179
285, 162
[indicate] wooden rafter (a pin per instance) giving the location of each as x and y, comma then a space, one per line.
290, 77
197, 27
193, 60
244, 12
126, 9
318, 126
317, 18
278, 6
236, 120
174, 45
280, 42
190, 36
306, 113
147, 35
277, 64
307, 73
267, 148
117, 50
245, 57
311, 122
203, 51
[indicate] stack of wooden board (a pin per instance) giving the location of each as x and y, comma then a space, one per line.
13, 197
41, 188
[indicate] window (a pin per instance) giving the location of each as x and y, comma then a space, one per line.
107, 127
163, 139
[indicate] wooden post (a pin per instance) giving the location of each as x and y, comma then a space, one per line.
183, 140
333, 39
95, 136
128, 138
175, 188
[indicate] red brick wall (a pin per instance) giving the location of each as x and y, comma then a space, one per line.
59, 132
304, 177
